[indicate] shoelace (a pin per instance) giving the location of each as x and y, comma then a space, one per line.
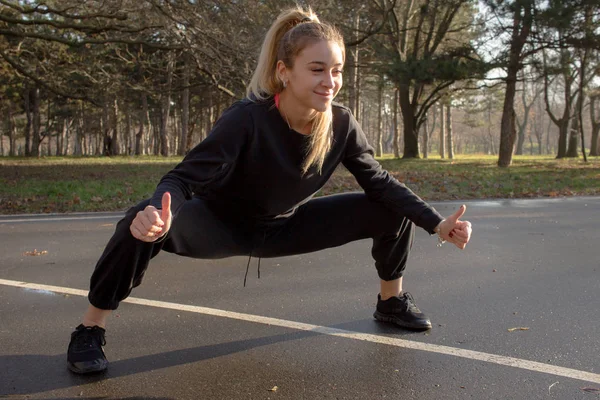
410, 303
85, 338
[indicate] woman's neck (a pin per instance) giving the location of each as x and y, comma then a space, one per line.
298, 118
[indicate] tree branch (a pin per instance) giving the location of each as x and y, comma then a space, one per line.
83, 42
40, 82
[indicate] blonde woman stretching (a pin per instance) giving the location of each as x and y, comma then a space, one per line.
247, 188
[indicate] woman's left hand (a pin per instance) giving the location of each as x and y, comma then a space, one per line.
455, 231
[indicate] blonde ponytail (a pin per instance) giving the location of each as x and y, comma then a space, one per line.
291, 32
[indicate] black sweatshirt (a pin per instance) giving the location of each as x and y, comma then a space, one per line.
252, 162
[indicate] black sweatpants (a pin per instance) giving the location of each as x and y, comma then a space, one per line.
202, 230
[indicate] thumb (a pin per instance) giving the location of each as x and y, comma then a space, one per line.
166, 207
459, 213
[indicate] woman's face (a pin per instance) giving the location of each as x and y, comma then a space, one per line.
316, 77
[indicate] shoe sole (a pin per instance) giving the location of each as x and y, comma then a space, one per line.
397, 321
92, 370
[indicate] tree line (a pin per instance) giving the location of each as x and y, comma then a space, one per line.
152, 76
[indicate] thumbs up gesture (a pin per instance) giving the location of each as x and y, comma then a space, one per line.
455, 231
151, 224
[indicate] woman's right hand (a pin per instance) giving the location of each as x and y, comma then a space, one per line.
151, 224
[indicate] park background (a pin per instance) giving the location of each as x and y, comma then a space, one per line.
460, 99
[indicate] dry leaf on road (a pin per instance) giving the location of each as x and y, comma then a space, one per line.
519, 328
591, 390
35, 253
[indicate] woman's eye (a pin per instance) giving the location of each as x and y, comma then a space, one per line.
317, 70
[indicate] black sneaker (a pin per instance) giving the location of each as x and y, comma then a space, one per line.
85, 354
401, 310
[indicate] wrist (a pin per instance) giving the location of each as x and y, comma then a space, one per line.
438, 228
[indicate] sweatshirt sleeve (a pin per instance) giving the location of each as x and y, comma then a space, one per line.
209, 162
380, 186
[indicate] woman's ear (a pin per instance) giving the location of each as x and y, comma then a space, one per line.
282, 72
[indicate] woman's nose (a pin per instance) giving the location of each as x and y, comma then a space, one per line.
328, 81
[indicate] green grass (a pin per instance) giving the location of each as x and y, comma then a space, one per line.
70, 184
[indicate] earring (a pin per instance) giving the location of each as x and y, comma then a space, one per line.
284, 84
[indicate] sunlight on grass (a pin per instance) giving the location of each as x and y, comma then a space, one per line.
69, 184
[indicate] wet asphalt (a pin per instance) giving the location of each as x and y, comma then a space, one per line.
531, 264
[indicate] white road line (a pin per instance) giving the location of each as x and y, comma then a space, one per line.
59, 219
408, 344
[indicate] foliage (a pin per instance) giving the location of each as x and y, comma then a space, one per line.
71, 184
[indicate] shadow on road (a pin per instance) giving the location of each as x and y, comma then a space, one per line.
30, 374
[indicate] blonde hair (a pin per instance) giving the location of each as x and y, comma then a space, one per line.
291, 32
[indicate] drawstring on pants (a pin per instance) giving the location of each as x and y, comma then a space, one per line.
264, 238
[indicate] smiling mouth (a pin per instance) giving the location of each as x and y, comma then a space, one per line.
325, 94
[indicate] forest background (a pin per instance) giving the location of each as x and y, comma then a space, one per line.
426, 80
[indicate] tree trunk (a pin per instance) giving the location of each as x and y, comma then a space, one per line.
353, 70
114, 121
2, 134
157, 126
572, 149
563, 122
522, 127
430, 131
507, 124
105, 126
563, 135
60, 139
143, 119
520, 32
548, 150
426, 138
165, 108
48, 133
127, 133
11, 132
185, 108
582, 67
572, 152
595, 145
443, 125
359, 108
28, 126
379, 142
450, 140
411, 135
396, 127
520, 136
79, 132
209, 114
35, 139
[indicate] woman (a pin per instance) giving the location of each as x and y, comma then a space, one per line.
247, 188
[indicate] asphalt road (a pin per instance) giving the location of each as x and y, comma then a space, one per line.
306, 326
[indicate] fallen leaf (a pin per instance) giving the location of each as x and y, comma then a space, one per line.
35, 253
591, 390
520, 328
273, 389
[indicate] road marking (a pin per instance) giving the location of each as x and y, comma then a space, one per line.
60, 219
408, 344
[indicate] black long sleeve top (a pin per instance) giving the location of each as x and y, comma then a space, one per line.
252, 161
